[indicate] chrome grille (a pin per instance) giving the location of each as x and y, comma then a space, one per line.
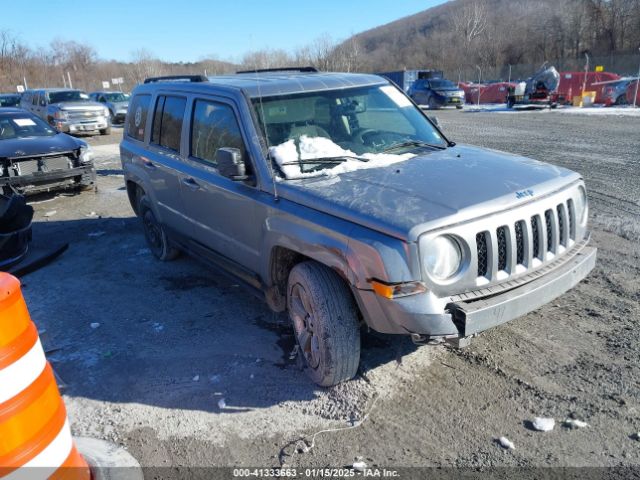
526, 244
84, 116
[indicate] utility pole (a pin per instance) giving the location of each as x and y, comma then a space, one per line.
69, 77
635, 97
586, 72
479, 80
509, 81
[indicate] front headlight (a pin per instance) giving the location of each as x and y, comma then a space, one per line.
106, 112
61, 115
581, 205
442, 257
86, 154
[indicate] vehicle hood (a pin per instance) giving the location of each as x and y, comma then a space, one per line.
431, 190
26, 147
70, 106
118, 105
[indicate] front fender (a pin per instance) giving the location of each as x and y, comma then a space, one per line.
357, 253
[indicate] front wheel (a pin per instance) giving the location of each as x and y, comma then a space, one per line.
155, 234
105, 131
325, 322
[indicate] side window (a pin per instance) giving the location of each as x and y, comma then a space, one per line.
137, 116
167, 122
214, 126
34, 100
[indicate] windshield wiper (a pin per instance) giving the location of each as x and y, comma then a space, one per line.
336, 159
412, 143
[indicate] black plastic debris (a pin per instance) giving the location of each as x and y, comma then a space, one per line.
15, 229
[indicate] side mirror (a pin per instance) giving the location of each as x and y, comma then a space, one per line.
434, 120
230, 164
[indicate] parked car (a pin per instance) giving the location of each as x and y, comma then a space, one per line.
35, 157
9, 99
614, 92
116, 102
68, 110
436, 93
334, 198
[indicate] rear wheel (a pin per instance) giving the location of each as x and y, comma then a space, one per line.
621, 100
155, 234
325, 322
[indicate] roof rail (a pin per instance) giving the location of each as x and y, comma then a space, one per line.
281, 69
177, 78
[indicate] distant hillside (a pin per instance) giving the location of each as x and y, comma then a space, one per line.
462, 35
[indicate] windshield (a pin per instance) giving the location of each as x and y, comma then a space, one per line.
367, 127
9, 100
68, 96
442, 84
22, 125
116, 97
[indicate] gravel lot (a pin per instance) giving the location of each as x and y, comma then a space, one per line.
174, 339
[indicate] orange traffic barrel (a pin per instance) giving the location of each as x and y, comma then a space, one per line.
35, 439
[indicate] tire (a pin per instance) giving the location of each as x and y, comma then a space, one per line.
510, 102
155, 233
432, 105
458, 107
621, 100
330, 344
106, 131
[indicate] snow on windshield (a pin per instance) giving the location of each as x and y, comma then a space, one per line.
319, 147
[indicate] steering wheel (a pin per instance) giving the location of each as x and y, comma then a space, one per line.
359, 137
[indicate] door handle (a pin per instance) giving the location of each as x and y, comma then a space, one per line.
191, 183
148, 164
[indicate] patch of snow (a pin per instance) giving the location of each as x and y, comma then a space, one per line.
196, 378
215, 378
544, 424
157, 327
222, 404
143, 251
91, 214
506, 443
602, 110
574, 423
50, 213
97, 234
317, 147
94, 325
359, 466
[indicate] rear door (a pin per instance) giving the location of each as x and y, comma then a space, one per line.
166, 162
221, 211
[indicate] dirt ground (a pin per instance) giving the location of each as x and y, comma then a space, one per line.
184, 368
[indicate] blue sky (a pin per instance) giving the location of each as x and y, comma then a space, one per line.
191, 29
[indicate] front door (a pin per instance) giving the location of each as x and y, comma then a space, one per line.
221, 211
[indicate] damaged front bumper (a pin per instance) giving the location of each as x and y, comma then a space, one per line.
82, 176
464, 318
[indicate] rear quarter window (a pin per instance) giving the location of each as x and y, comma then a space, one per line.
167, 122
137, 121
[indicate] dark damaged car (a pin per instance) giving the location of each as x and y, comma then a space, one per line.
35, 157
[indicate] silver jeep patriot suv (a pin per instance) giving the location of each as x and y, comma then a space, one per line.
335, 198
